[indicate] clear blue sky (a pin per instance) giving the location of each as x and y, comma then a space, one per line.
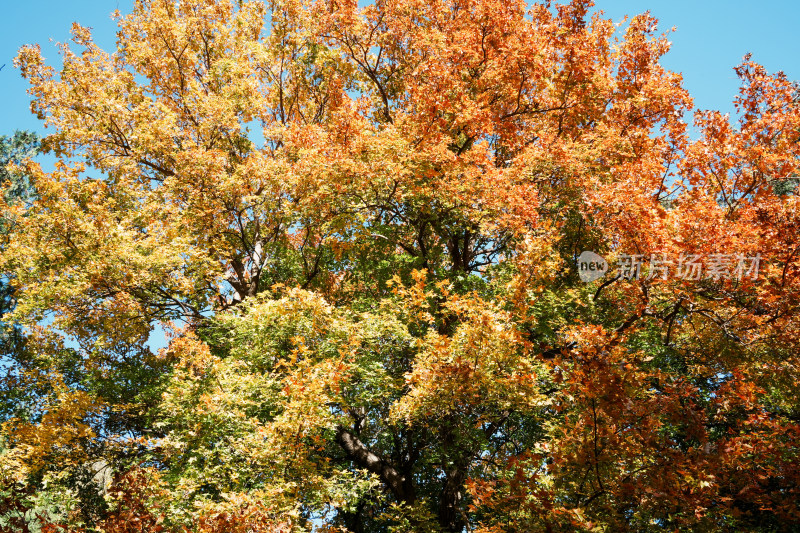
710, 39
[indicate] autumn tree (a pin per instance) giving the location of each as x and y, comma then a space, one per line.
358, 227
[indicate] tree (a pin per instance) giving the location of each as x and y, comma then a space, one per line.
360, 226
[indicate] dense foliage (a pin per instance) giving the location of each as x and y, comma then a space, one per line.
13, 151
359, 228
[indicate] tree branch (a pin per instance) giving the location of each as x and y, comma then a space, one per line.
363, 457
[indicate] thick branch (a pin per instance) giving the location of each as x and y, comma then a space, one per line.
397, 483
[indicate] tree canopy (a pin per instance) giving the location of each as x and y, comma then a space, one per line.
360, 228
